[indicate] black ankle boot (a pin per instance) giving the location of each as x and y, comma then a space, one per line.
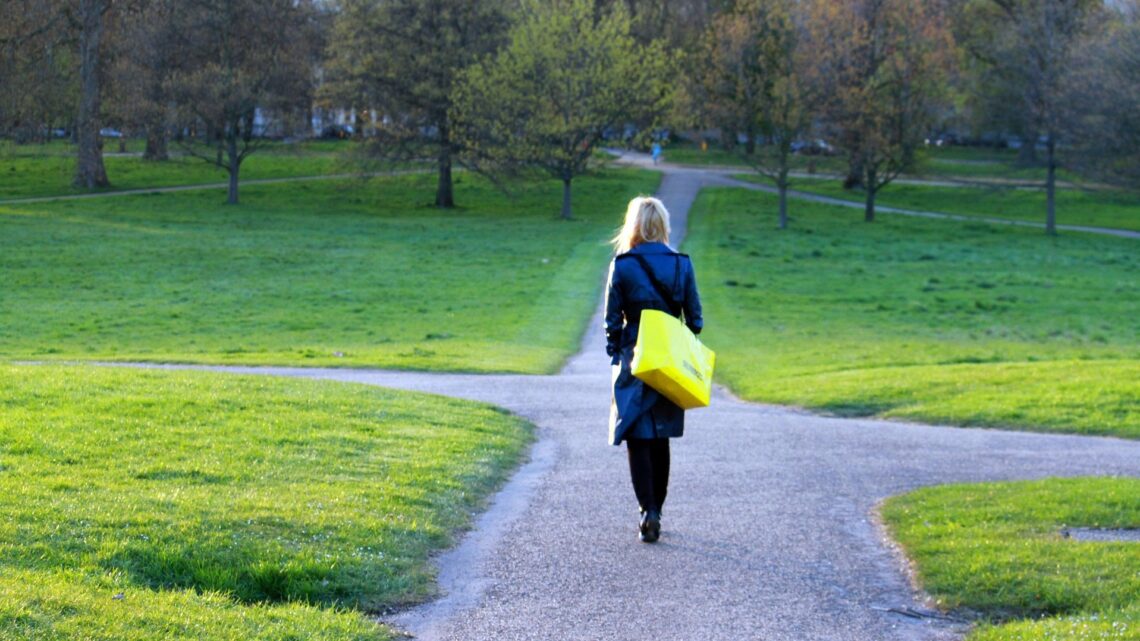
650, 528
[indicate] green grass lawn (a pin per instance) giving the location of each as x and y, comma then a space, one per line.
28, 171
997, 550
961, 323
965, 163
1116, 209
342, 273
176, 505
717, 156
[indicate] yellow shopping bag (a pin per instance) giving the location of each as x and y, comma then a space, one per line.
670, 359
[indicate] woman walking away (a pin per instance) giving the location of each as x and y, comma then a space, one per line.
645, 274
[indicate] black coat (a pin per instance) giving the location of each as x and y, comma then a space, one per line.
637, 410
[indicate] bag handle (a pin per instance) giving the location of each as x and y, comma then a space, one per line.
662, 291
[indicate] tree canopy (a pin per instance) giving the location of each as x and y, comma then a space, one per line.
568, 78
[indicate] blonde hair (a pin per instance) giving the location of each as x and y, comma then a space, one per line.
646, 221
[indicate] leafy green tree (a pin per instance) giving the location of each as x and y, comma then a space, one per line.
400, 58
568, 78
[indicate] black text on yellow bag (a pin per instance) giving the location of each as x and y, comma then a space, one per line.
671, 360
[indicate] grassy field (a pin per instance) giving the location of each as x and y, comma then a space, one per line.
1102, 208
346, 273
174, 505
968, 324
716, 156
965, 163
997, 550
28, 171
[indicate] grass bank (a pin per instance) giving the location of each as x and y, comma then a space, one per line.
940, 321
148, 504
997, 550
335, 273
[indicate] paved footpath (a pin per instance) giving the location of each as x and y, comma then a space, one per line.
768, 532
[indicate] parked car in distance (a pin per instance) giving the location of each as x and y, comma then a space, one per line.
107, 132
817, 147
336, 132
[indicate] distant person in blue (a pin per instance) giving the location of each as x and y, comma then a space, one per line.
656, 151
645, 274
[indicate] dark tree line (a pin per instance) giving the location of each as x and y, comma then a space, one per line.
504, 85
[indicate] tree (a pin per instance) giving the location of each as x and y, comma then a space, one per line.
37, 69
1039, 53
566, 79
884, 63
240, 59
1105, 91
90, 171
147, 54
679, 23
400, 58
753, 79
1015, 48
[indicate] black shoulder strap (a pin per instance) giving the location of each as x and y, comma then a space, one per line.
662, 291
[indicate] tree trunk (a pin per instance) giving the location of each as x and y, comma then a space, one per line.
1027, 155
566, 198
782, 185
156, 143
233, 167
750, 143
1051, 188
783, 205
855, 172
90, 171
445, 190
869, 204
728, 139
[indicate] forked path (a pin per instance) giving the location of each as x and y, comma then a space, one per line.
767, 534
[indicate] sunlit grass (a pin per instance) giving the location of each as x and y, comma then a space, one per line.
960, 323
193, 493
997, 550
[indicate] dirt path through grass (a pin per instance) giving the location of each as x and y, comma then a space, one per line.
768, 532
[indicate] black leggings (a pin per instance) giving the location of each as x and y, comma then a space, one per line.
649, 469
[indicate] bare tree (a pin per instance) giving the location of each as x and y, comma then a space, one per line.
37, 69
146, 55
884, 63
240, 60
1104, 91
755, 77
401, 58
